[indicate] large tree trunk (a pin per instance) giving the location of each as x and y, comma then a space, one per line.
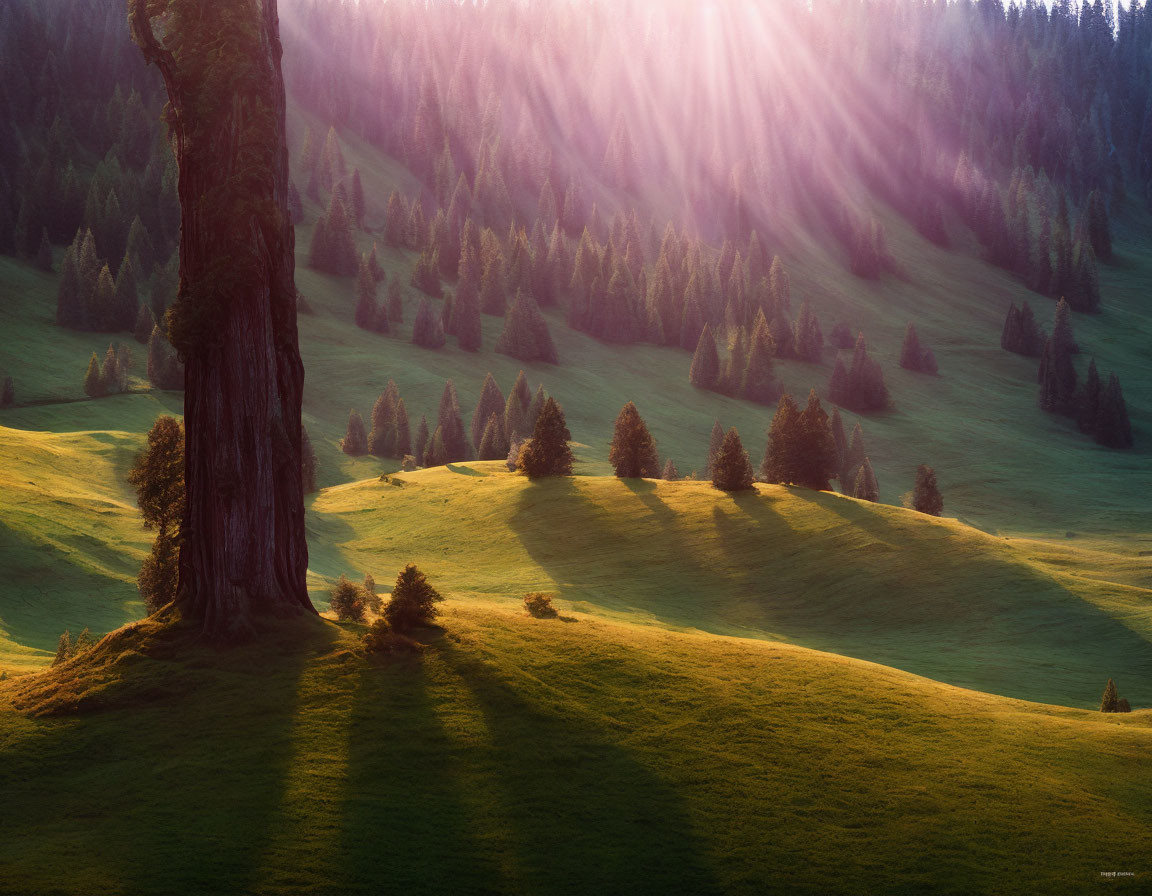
244, 552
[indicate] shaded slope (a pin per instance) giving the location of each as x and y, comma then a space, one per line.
931, 596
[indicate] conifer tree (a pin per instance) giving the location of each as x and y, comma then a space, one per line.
1113, 429
357, 199
516, 424
428, 329
866, 487
355, 442
525, 335
853, 459
104, 316
926, 496
1057, 373
1111, 700
93, 382
63, 649
861, 387
395, 221
836, 425
125, 300
426, 274
382, 435
395, 302
307, 463
366, 311
783, 454
1088, 401
164, 368
670, 473
112, 379
491, 402
817, 455
435, 454
466, 319
413, 601
493, 444
633, 450
759, 383
705, 370
421, 447
715, 440
402, 444
7, 393
911, 352
1096, 226
451, 426
731, 470
547, 453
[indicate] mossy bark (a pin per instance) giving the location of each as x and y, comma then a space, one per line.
244, 553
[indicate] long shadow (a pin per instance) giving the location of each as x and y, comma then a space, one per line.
177, 789
405, 825
583, 814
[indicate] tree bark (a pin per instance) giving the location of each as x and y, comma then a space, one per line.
244, 553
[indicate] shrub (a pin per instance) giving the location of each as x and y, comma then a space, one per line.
347, 601
371, 598
413, 601
408, 464
539, 604
382, 638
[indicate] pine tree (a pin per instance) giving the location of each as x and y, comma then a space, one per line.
366, 310
516, 424
145, 323
759, 383
836, 425
926, 494
112, 380
165, 371
426, 274
105, 315
63, 649
1113, 429
125, 299
467, 319
866, 486
491, 402
705, 370
403, 442
158, 477
435, 454
355, 442
715, 441
853, 459
633, 450
1096, 226
1088, 401
357, 199
413, 601
731, 470
547, 453
428, 329
395, 221
783, 454
525, 335
421, 446
861, 387
493, 444
670, 473
382, 435
911, 352
818, 447
93, 382
1057, 373
492, 295
451, 426
7, 393
1111, 699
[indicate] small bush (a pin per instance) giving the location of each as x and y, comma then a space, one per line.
371, 598
408, 465
348, 601
381, 638
539, 605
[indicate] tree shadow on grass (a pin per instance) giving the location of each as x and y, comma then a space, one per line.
178, 794
579, 813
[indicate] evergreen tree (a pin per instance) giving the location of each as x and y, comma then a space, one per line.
866, 486
421, 446
911, 352
1057, 373
926, 494
451, 426
104, 312
44, 252
426, 274
818, 447
1111, 699
705, 370
525, 335
670, 473
307, 463
93, 382
716, 439
333, 249
145, 323
759, 383
371, 598
366, 310
547, 453
413, 601
633, 450
492, 296
783, 458
435, 454
861, 387
428, 329
355, 442
1088, 401
493, 445
731, 470
836, 425
112, 379
491, 402
382, 435
1113, 429
63, 649
7, 393
165, 371
853, 459
467, 319
516, 408
402, 444
395, 221
1096, 226
357, 199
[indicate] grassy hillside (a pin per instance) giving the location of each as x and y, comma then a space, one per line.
581, 756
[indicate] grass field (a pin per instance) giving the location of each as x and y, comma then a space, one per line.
550, 756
